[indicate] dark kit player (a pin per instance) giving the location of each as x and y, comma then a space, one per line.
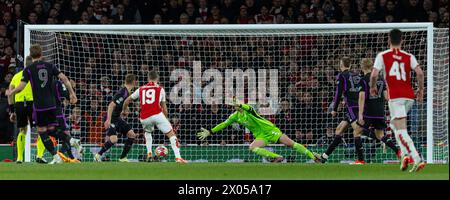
372, 108
114, 122
41, 75
62, 128
347, 85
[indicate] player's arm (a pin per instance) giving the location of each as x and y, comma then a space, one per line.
378, 65
116, 100
361, 102
111, 107
11, 102
235, 102
23, 82
373, 80
125, 106
420, 82
19, 88
205, 133
246, 107
66, 82
337, 96
127, 101
11, 93
11, 97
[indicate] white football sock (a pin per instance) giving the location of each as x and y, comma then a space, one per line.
148, 142
175, 147
406, 140
403, 150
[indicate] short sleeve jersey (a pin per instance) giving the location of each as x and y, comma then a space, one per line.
118, 98
41, 74
397, 65
150, 96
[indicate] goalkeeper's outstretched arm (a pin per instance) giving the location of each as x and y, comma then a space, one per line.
205, 132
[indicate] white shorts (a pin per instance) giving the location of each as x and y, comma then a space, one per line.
400, 107
159, 120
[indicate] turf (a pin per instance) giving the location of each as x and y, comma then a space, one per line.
216, 171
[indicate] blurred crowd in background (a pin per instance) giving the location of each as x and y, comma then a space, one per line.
97, 63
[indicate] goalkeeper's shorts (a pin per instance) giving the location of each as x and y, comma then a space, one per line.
270, 137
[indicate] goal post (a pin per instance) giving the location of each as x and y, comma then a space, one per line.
430, 91
215, 54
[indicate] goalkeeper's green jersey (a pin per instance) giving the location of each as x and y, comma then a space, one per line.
248, 118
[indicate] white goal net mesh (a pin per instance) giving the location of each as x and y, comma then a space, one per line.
287, 75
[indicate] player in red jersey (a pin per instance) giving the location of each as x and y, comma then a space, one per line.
152, 98
397, 66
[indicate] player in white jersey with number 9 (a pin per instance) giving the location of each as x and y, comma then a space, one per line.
397, 65
152, 98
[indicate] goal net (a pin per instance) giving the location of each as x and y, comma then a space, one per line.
286, 72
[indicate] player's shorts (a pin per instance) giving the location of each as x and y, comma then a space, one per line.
400, 107
62, 123
118, 125
45, 117
24, 113
351, 114
376, 123
159, 120
269, 137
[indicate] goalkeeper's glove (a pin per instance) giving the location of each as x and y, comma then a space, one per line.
203, 134
235, 102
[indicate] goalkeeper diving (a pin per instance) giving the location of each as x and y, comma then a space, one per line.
264, 132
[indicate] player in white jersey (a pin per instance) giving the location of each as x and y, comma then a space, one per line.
152, 98
397, 65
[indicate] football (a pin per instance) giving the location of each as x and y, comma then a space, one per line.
161, 151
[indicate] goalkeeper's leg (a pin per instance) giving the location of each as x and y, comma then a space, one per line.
284, 139
257, 147
336, 141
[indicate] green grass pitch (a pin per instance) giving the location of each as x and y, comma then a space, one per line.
216, 171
